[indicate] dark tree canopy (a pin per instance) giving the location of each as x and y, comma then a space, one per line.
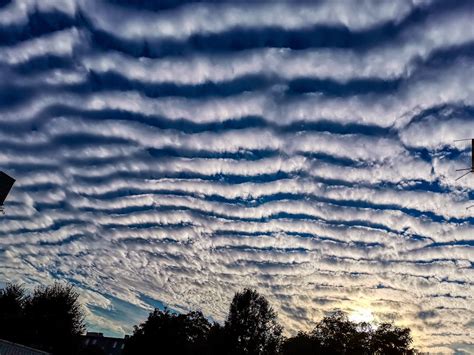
251, 328
165, 332
12, 301
50, 319
391, 340
252, 325
218, 340
55, 318
302, 343
336, 334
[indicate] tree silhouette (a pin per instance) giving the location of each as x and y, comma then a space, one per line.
251, 325
336, 334
217, 340
54, 318
165, 332
50, 319
302, 343
391, 340
12, 301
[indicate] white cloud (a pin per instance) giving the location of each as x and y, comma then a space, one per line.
313, 218
215, 18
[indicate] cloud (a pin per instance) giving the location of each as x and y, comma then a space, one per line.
212, 18
174, 160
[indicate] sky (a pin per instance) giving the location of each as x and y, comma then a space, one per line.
172, 154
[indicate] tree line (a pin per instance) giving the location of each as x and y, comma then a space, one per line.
51, 318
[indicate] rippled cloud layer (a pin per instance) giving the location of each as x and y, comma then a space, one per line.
172, 154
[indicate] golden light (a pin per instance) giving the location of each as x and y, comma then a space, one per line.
362, 315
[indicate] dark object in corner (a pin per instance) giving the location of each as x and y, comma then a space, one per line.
9, 348
6, 183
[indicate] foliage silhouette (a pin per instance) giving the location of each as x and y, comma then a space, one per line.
12, 302
391, 340
51, 318
336, 334
55, 319
302, 343
165, 332
252, 326
217, 340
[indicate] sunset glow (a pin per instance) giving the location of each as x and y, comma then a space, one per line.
362, 315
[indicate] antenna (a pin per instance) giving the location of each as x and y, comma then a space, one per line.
471, 169
6, 183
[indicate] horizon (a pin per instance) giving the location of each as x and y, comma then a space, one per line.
173, 153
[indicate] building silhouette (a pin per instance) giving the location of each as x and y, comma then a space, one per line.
102, 344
